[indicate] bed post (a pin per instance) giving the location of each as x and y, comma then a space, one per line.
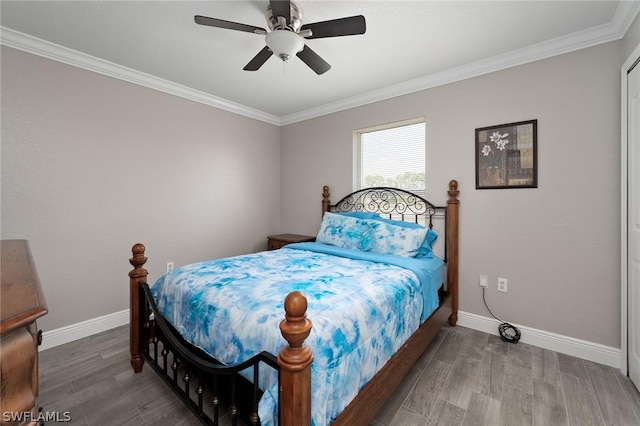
295, 363
136, 299
325, 199
452, 248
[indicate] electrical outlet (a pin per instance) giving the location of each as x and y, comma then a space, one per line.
502, 284
169, 266
484, 281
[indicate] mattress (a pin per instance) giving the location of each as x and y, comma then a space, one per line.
363, 307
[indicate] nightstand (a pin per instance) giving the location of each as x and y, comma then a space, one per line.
274, 242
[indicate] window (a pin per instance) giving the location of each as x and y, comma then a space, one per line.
391, 155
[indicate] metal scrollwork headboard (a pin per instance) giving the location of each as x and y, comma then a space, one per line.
392, 203
400, 204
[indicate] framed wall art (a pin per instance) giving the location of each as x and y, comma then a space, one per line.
506, 156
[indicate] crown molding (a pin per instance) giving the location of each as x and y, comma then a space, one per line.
626, 13
45, 49
615, 30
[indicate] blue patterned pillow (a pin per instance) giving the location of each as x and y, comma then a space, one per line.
392, 239
342, 231
426, 247
361, 215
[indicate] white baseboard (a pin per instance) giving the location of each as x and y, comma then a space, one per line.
543, 339
567, 345
83, 329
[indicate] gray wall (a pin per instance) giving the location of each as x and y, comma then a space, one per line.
632, 37
91, 165
559, 244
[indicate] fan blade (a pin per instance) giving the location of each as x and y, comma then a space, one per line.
337, 27
258, 60
281, 8
315, 62
220, 23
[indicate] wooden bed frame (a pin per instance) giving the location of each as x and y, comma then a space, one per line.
147, 328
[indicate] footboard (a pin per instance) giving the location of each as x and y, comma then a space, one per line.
204, 384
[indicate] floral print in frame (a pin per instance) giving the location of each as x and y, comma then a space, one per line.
506, 156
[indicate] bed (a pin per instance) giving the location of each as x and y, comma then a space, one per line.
376, 299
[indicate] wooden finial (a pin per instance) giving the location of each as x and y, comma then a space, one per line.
295, 328
295, 306
325, 199
138, 260
453, 189
295, 363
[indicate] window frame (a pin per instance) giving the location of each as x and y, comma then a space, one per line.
357, 149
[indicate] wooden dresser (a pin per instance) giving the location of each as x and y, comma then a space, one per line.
21, 304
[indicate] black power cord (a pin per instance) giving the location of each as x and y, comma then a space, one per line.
508, 333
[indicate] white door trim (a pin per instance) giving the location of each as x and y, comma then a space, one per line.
624, 232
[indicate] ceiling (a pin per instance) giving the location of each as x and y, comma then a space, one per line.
408, 46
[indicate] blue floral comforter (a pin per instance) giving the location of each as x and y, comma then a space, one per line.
363, 307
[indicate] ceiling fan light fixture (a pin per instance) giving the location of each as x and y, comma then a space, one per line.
284, 44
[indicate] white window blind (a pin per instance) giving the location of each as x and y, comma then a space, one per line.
391, 155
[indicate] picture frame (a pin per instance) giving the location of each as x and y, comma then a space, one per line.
507, 155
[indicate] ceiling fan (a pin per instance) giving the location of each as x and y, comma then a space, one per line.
287, 34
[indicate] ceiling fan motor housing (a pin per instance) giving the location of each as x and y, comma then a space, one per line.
295, 21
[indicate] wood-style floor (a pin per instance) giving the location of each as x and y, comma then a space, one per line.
466, 377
